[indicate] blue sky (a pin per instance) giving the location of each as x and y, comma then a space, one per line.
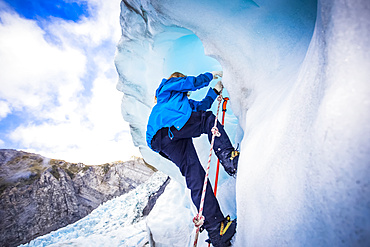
58, 93
70, 10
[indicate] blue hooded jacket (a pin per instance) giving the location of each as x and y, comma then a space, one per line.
173, 107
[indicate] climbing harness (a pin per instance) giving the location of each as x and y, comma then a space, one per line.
199, 218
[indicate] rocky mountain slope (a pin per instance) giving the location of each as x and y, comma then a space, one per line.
39, 195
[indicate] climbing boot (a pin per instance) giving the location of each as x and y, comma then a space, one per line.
221, 234
230, 162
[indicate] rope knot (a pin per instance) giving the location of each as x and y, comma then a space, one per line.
215, 132
198, 221
219, 98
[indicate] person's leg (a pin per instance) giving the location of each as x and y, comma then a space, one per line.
222, 143
223, 148
202, 123
181, 151
183, 154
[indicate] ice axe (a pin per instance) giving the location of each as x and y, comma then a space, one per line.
218, 161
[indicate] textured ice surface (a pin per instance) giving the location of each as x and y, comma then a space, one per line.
297, 75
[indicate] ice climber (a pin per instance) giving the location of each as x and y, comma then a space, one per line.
173, 122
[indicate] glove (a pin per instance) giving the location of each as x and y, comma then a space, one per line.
218, 87
217, 74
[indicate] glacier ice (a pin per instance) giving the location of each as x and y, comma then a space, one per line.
117, 222
297, 76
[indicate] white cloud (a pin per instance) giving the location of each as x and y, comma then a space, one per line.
4, 109
48, 80
103, 24
33, 71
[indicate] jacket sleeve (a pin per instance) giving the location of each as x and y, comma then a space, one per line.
206, 103
190, 83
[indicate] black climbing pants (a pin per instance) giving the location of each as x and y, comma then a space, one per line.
180, 150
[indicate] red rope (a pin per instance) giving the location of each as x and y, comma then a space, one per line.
198, 219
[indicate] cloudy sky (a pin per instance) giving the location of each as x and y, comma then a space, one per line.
58, 93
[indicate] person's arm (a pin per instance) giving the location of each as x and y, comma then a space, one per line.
189, 83
206, 103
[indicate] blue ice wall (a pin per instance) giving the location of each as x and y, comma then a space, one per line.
296, 73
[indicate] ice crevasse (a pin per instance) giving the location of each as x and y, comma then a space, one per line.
297, 74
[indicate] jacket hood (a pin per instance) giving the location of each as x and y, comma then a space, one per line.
166, 81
